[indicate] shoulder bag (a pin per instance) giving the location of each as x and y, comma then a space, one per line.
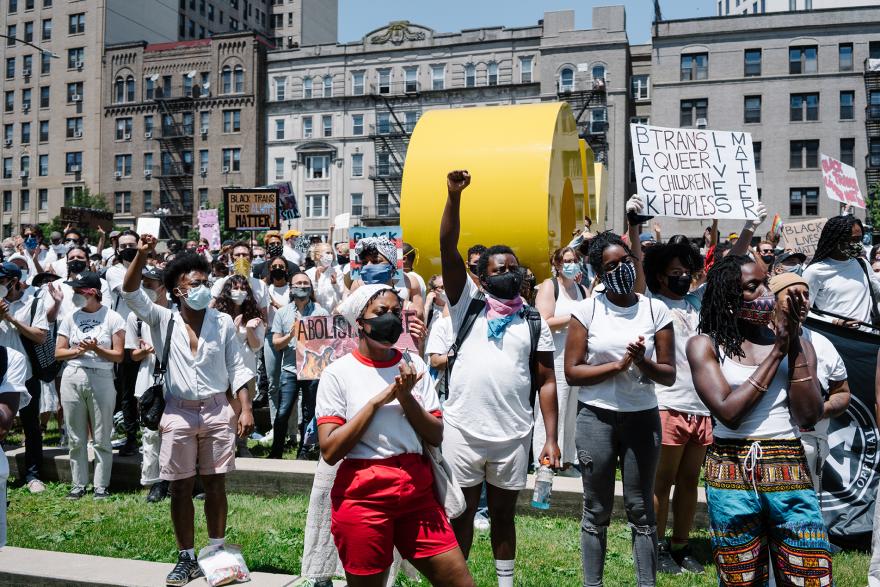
151, 405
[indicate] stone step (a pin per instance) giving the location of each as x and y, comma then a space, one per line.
270, 477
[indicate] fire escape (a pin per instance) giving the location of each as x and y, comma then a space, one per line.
175, 174
872, 123
589, 109
397, 111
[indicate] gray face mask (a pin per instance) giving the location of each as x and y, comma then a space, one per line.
796, 269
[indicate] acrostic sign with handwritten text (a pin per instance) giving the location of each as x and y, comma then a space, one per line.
841, 182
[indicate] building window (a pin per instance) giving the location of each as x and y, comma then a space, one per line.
187, 83
316, 206
803, 60
803, 202
7, 201
411, 80
123, 129
357, 165
74, 127
328, 86
25, 133
10, 35
383, 164
45, 63
307, 127
12, 7
525, 70
384, 81
566, 79
383, 205
76, 24
29, 32
9, 101
640, 87
73, 162
307, 87
75, 58
148, 200
26, 99
123, 202
317, 166
25, 165
804, 154
167, 90
848, 151
470, 75
7, 168
10, 67
204, 121
752, 109
238, 77
845, 56
27, 64
804, 107
204, 200
123, 165
280, 88
357, 204
149, 88
694, 66
226, 79
438, 77
231, 121
873, 152
148, 163
357, 83
847, 105
44, 97
204, 159
231, 160
756, 148
279, 167
327, 125
44, 131
383, 123
8, 130
492, 74
410, 118
25, 200
279, 129
148, 123
752, 62
74, 92
694, 113
43, 196
357, 124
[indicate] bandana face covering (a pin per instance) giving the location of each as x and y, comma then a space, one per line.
758, 311
621, 280
851, 249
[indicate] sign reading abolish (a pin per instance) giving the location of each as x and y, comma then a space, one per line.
694, 173
802, 237
841, 182
87, 217
251, 209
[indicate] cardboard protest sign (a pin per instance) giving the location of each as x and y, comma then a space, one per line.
320, 340
841, 182
251, 209
147, 225
356, 233
288, 208
209, 228
87, 217
695, 173
802, 237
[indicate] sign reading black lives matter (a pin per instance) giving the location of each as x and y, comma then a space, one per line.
695, 173
251, 209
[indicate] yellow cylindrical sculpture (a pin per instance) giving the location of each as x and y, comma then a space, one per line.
527, 187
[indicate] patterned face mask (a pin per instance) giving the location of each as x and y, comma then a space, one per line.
621, 279
758, 311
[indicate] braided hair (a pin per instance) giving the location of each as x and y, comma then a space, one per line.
599, 243
835, 230
721, 303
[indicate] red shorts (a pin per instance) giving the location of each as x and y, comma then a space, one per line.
680, 428
380, 504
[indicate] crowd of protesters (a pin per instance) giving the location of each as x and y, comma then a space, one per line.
663, 359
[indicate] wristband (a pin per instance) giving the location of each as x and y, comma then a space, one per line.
757, 385
801, 380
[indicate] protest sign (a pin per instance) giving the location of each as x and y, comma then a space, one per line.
841, 182
209, 228
87, 217
802, 237
695, 173
342, 221
288, 208
251, 209
146, 225
356, 233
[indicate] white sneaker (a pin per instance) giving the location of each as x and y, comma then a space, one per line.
267, 438
481, 523
36, 486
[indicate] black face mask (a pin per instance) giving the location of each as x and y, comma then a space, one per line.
505, 286
679, 285
278, 274
127, 255
76, 267
768, 259
342, 259
274, 250
385, 329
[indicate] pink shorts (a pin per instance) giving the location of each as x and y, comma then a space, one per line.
380, 504
680, 428
197, 433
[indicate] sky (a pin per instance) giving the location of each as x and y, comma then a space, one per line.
358, 17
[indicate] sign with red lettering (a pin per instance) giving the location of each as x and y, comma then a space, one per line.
695, 173
802, 237
842, 182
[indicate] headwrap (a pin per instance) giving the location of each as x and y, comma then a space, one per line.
383, 244
353, 306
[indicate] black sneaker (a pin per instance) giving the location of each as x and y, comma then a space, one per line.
158, 492
101, 493
186, 569
685, 559
665, 564
129, 449
76, 493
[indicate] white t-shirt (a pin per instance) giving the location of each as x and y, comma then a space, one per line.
132, 342
842, 288
279, 295
829, 367
681, 396
258, 286
350, 382
67, 308
490, 386
100, 325
441, 338
610, 329
114, 275
327, 294
17, 373
10, 337
248, 354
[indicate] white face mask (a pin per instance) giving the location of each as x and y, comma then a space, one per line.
151, 293
24, 275
326, 259
79, 300
238, 296
8, 252
60, 249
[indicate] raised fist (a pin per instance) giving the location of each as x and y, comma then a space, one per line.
458, 180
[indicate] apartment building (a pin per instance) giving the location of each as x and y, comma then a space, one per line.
739, 7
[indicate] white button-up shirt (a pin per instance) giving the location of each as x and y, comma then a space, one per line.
217, 364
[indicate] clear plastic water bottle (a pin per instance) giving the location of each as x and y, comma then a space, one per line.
543, 486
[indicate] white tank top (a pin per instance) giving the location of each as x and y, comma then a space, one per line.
769, 418
564, 307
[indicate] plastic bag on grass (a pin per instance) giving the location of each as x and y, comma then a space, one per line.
223, 564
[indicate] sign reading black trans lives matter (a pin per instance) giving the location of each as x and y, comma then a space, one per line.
251, 209
695, 173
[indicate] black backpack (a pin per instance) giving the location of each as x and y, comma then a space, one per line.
475, 308
42, 356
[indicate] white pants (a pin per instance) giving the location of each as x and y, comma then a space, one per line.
566, 422
151, 441
816, 450
88, 398
4, 477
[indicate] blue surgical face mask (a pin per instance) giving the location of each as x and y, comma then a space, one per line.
198, 298
372, 274
571, 270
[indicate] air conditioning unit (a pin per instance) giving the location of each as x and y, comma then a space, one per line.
117, 174
8, 142
76, 98
204, 132
77, 134
225, 170
74, 169
26, 106
79, 65
148, 172
126, 137
23, 174
148, 135
204, 171
702, 123
27, 72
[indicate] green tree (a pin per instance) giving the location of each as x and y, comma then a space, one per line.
83, 198
873, 204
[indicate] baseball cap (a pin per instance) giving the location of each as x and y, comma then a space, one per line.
291, 233
8, 269
113, 234
152, 273
86, 280
790, 255
785, 280
645, 237
41, 279
55, 236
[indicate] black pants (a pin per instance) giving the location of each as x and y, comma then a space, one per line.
33, 434
126, 377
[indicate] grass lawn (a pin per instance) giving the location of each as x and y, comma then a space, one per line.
270, 531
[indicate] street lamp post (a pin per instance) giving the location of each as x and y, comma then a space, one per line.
37, 47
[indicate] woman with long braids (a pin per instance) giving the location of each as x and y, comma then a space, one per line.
841, 281
757, 376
